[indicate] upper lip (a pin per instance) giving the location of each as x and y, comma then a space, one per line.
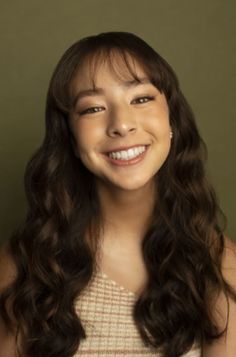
125, 148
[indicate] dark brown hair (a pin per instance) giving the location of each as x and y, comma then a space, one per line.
54, 255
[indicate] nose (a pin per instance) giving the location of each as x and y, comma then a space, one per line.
121, 122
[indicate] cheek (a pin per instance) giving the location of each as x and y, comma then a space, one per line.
88, 135
158, 123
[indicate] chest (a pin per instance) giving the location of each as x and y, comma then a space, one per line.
125, 267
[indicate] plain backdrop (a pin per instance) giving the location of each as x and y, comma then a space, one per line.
197, 37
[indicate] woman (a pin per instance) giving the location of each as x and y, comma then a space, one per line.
121, 251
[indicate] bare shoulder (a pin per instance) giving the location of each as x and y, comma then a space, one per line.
7, 275
229, 262
230, 250
226, 345
7, 267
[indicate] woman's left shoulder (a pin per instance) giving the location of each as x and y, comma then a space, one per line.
225, 345
229, 261
229, 243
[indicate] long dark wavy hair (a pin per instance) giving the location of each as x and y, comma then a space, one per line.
54, 249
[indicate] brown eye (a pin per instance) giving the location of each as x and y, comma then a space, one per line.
145, 99
91, 110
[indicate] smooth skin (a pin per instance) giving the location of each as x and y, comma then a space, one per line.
121, 117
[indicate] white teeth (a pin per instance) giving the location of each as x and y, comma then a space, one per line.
127, 154
124, 155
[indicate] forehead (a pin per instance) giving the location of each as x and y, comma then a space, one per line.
96, 69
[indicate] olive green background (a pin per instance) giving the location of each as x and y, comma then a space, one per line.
196, 37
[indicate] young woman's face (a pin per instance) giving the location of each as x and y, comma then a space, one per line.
121, 131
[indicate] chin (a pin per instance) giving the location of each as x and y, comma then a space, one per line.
134, 186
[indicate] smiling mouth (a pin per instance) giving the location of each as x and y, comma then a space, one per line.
127, 154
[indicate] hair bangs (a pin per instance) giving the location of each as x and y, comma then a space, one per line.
121, 58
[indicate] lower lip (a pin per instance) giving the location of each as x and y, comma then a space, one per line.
133, 161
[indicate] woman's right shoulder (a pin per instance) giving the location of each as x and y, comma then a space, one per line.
7, 267
7, 275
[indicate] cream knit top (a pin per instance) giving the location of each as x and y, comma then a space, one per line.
105, 310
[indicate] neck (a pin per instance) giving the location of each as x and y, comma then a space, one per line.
126, 214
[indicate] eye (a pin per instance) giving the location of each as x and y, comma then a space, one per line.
91, 110
145, 99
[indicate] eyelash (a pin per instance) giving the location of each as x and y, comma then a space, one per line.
86, 111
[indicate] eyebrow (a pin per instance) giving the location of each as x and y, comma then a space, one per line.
90, 92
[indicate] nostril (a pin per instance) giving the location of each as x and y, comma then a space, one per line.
116, 131
120, 130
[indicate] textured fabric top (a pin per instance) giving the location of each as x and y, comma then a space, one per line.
105, 309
